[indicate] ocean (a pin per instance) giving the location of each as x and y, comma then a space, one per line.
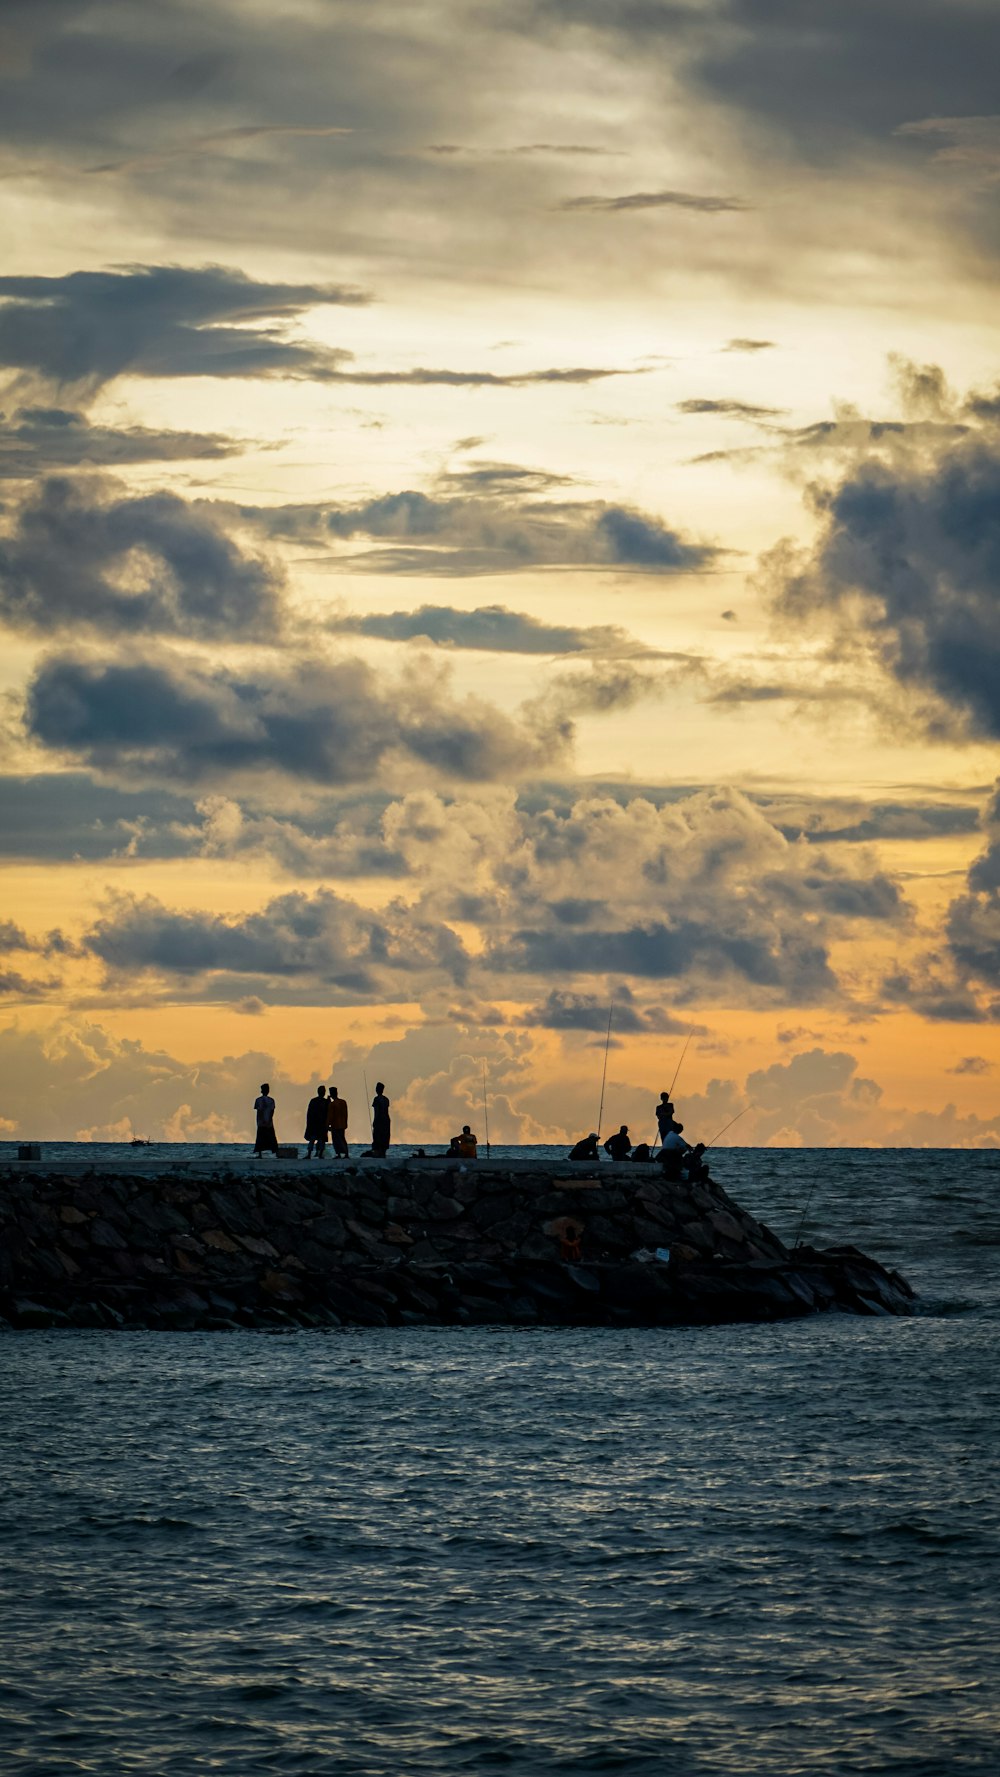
716, 1551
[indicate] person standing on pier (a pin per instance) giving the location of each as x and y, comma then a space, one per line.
381, 1126
336, 1117
665, 1121
316, 1124
267, 1141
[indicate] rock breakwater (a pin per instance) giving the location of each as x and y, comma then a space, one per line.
154, 1244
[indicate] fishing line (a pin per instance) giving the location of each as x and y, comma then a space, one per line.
486, 1113
607, 1045
729, 1125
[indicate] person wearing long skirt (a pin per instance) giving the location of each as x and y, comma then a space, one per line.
381, 1125
267, 1140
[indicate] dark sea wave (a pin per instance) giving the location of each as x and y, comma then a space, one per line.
718, 1552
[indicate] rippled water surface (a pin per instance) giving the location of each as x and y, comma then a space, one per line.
738, 1550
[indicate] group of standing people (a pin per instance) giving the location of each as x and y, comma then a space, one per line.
676, 1155
326, 1121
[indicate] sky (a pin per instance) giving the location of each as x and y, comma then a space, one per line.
500, 525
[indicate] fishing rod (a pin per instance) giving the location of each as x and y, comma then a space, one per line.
604, 1076
729, 1125
486, 1112
680, 1064
371, 1126
805, 1212
672, 1084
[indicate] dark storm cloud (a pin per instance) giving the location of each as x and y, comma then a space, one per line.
795, 815
738, 691
973, 922
177, 321
491, 628
984, 407
561, 1010
161, 321
470, 379
984, 873
825, 75
796, 968
957, 980
830, 821
323, 939
489, 522
972, 1064
13, 983
87, 554
730, 409
907, 564
656, 200
498, 478
69, 815
38, 439
609, 685
933, 992
176, 720
61, 815
701, 891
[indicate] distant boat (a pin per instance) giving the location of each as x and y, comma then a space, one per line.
140, 1141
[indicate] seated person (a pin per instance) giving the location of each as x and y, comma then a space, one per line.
619, 1146
641, 1152
455, 1148
468, 1144
585, 1148
693, 1165
671, 1155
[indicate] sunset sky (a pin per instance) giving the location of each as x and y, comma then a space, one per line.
500, 512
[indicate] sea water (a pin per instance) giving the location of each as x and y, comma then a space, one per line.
736, 1550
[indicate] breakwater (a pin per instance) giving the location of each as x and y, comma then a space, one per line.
409, 1242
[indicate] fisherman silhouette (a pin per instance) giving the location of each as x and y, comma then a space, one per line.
336, 1122
585, 1148
381, 1124
316, 1124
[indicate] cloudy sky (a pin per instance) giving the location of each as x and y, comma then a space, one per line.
500, 515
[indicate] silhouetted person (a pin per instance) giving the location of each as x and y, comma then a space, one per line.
671, 1155
585, 1148
381, 1126
665, 1116
641, 1152
316, 1124
619, 1146
267, 1141
336, 1122
693, 1165
468, 1144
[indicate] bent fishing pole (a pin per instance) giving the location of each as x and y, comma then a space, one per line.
670, 1091
680, 1064
604, 1076
729, 1125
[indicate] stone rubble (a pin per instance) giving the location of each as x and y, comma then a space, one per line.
403, 1243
